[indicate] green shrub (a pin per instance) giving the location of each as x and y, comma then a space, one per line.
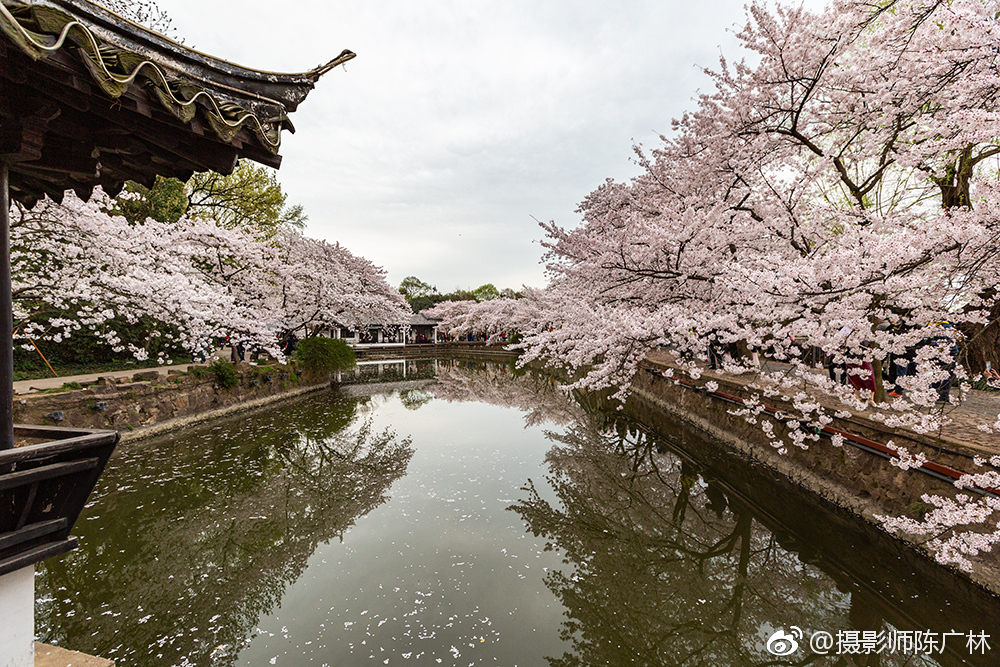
321, 356
87, 351
225, 374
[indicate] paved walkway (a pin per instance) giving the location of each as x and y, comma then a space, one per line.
980, 407
30, 386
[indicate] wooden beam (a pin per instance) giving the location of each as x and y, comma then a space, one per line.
36, 555
6, 319
57, 160
32, 531
42, 473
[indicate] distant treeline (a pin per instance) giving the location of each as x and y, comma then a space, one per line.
421, 295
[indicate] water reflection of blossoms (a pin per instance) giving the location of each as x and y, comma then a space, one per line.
219, 522
666, 567
537, 395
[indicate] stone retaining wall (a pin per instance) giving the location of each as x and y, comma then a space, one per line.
150, 403
862, 483
883, 573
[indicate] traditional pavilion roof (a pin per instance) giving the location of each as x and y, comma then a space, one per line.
89, 98
421, 320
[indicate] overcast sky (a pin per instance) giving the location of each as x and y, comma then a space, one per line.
461, 121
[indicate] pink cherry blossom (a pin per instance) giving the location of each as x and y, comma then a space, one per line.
843, 176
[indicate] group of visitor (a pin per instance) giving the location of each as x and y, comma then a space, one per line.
860, 374
856, 370
475, 337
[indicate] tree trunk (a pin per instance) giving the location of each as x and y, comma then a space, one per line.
879, 384
981, 344
955, 184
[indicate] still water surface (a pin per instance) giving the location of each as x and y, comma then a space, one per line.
479, 518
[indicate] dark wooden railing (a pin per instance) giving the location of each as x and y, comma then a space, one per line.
43, 488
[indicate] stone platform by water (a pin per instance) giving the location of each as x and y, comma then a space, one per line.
47, 655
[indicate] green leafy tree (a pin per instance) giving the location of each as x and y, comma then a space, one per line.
459, 295
418, 294
486, 292
250, 198
418, 303
166, 201
422, 295
413, 287
321, 356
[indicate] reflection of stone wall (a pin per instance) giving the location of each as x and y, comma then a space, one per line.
679, 551
861, 482
844, 477
182, 397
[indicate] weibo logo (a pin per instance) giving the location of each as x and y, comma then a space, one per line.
781, 643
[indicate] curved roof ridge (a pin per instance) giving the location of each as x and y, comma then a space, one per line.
174, 108
102, 16
53, 27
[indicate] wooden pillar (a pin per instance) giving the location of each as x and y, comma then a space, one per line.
6, 319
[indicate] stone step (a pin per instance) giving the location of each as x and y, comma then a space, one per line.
55, 656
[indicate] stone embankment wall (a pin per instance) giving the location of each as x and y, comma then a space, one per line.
851, 479
884, 574
149, 403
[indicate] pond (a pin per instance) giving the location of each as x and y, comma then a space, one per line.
474, 516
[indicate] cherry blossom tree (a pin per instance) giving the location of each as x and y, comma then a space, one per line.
458, 317
846, 179
77, 258
201, 279
960, 528
840, 187
496, 318
324, 285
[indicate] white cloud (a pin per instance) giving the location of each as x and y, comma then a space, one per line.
460, 119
